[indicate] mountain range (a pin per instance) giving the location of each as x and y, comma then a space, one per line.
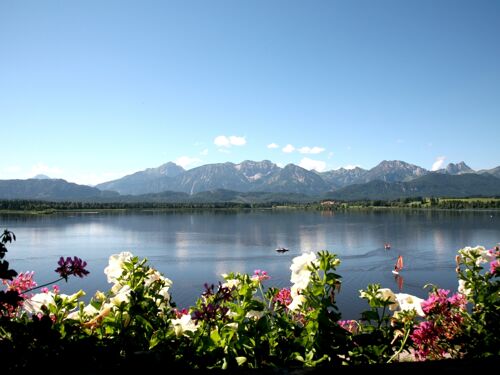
261, 180
265, 176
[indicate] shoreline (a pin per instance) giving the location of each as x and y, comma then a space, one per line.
258, 208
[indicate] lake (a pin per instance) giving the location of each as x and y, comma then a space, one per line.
192, 248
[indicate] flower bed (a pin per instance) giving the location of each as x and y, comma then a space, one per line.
242, 322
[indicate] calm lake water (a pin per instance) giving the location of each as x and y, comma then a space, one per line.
192, 248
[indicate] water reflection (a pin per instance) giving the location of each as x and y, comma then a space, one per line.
399, 282
192, 248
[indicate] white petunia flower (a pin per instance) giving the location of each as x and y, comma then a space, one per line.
296, 302
164, 293
231, 283
300, 273
478, 253
183, 324
115, 265
253, 314
301, 263
462, 289
409, 302
35, 303
387, 294
155, 276
90, 310
123, 295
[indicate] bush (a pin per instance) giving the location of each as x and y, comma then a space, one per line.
237, 324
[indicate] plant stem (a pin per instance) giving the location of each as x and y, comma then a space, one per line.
403, 343
43, 285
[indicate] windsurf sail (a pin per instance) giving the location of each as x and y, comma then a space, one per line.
399, 264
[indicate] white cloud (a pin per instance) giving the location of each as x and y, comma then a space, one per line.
232, 140
41, 168
204, 152
351, 166
281, 165
288, 148
311, 150
330, 155
221, 141
273, 145
186, 161
237, 141
310, 164
438, 164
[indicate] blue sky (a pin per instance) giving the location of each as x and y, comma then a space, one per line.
93, 90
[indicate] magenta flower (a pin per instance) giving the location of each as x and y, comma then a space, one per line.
284, 297
68, 267
179, 313
444, 321
495, 267
349, 325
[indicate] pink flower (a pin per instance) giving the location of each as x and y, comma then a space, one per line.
23, 281
284, 297
495, 267
349, 325
444, 321
260, 275
180, 313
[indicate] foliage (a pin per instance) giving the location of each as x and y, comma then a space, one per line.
242, 323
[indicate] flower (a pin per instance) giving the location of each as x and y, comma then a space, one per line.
115, 265
154, 276
349, 325
301, 264
386, 294
409, 302
35, 304
253, 314
495, 267
259, 275
99, 296
297, 301
123, 295
68, 267
300, 271
478, 254
88, 310
283, 297
23, 281
462, 288
231, 283
184, 324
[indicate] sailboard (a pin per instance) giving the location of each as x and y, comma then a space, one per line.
398, 266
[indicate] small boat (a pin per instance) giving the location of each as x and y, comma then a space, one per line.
281, 250
398, 266
387, 246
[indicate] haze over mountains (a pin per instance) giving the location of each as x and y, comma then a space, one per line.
252, 180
